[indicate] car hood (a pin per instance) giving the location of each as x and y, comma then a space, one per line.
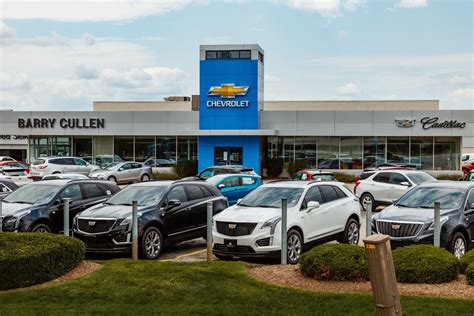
408, 214
15, 208
108, 211
242, 214
99, 171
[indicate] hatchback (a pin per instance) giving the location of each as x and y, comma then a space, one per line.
235, 186
123, 172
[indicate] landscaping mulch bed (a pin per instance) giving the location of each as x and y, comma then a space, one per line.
290, 276
83, 269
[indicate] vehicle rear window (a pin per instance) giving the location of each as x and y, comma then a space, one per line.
340, 193
248, 180
383, 177
92, 190
39, 162
194, 192
365, 175
207, 191
328, 193
420, 177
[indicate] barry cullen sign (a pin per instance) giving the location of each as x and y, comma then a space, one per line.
65, 123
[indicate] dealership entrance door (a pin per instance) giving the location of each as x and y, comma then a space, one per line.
228, 156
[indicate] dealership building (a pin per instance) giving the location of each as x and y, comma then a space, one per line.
230, 123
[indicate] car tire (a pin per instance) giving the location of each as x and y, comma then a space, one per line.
151, 243
295, 246
351, 233
112, 179
458, 245
41, 228
365, 198
145, 177
223, 257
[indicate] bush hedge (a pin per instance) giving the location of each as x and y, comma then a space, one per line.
344, 177
470, 274
164, 176
335, 262
186, 168
274, 167
425, 264
466, 260
32, 258
449, 176
295, 166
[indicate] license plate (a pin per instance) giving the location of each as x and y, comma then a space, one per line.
230, 242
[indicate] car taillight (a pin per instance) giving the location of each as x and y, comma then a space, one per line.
356, 185
43, 166
27, 170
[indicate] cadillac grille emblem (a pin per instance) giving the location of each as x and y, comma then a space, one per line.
91, 224
405, 123
232, 226
396, 227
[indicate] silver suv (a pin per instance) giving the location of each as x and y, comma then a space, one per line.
123, 172
383, 187
53, 165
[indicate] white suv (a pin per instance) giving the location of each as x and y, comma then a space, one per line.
54, 165
383, 187
317, 212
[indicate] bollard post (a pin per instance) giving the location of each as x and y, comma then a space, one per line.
436, 224
382, 275
209, 231
66, 202
368, 218
135, 230
284, 237
1, 217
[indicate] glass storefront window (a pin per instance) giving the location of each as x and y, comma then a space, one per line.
398, 150
305, 150
123, 147
374, 151
288, 148
328, 152
144, 148
446, 153
421, 152
187, 148
39, 147
61, 146
82, 147
49, 146
274, 147
165, 149
103, 150
350, 156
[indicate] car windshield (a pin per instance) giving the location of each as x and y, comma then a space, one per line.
449, 198
271, 197
465, 157
33, 194
145, 195
421, 177
111, 166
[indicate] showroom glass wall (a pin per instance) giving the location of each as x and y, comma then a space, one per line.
101, 150
426, 153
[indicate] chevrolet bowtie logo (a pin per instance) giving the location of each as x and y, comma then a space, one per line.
228, 90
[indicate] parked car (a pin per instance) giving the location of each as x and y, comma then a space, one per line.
317, 212
54, 165
235, 186
382, 187
123, 172
6, 187
217, 170
469, 176
10, 165
38, 206
102, 160
65, 176
6, 158
466, 158
168, 211
159, 162
410, 219
314, 175
15, 171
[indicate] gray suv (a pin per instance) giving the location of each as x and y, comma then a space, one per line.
123, 172
53, 165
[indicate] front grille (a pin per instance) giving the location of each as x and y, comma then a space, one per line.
95, 226
263, 242
234, 249
397, 229
240, 229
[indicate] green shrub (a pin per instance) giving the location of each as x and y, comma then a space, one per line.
335, 262
449, 176
295, 166
425, 264
470, 274
344, 177
164, 176
32, 258
274, 166
466, 260
186, 168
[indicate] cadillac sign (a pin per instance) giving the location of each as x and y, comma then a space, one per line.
430, 122
405, 123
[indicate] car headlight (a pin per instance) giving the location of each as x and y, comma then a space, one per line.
442, 220
125, 223
13, 220
271, 223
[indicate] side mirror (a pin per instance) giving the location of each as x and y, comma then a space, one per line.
172, 204
406, 184
120, 169
221, 186
312, 205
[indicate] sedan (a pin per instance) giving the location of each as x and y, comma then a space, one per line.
123, 172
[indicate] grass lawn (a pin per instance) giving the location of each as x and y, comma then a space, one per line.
123, 287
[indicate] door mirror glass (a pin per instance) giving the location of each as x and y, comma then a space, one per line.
173, 203
120, 169
405, 183
312, 205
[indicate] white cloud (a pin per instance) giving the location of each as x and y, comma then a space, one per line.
327, 8
409, 4
18, 81
97, 10
86, 72
466, 92
6, 32
347, 89
351, 5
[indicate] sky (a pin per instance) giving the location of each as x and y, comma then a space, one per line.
63, 55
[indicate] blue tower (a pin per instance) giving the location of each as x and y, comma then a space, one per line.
231, 98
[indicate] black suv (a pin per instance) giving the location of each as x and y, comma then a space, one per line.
410, 219
38, 206
168, 212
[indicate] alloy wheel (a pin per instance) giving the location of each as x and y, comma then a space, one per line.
459, 248
294, 248
152, 244
353, 233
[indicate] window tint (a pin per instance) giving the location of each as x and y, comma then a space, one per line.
328, 193
365, 175
207, 192
39, 162
207, 173
136, 166
126, 166
231, 182
470, 199
396, 178
313, 194
383, 177
92, 190
80, 162
69, 161
194, 192
73, 192
220, 171
340, 193
248, 180
177, 193
57, 161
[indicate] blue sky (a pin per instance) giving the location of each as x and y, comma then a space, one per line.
58, 55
